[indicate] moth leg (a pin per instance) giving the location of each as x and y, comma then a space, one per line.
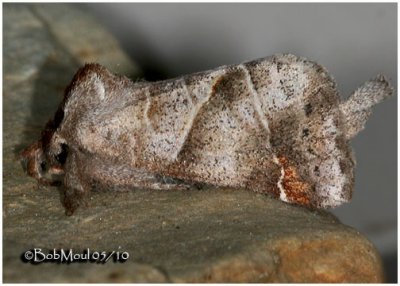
166, 183
109, 175
84, 172
76, 186
127, 177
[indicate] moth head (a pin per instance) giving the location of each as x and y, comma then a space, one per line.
45, 162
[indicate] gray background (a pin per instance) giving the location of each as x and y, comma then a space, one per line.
353, 41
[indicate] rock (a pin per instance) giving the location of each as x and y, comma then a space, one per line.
209, 235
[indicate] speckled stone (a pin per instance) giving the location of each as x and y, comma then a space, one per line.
209, 235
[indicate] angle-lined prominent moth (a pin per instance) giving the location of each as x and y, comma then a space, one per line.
273, 125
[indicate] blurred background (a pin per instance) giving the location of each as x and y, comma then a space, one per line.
353, 41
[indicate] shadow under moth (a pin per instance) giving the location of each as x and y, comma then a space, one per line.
274, 125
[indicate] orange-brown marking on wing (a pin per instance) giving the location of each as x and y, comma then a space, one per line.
296, 190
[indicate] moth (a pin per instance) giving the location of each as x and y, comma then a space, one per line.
275, 125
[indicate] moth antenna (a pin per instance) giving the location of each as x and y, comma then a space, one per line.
358, 107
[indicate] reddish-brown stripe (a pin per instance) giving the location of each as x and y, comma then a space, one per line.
296, 190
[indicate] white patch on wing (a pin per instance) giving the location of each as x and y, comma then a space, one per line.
100, 90
332, 180
282, 191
